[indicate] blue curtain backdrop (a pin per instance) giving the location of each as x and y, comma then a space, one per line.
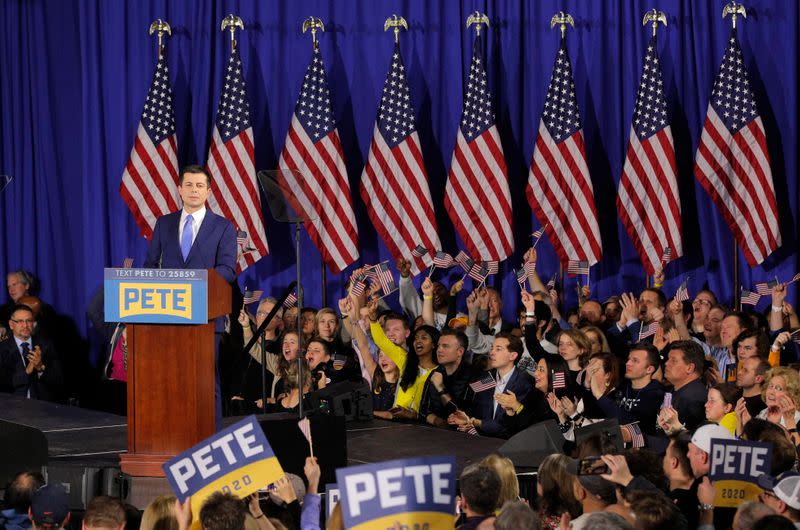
74, 74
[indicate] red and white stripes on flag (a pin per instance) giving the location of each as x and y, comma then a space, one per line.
319, 187
477, 196
150, 181
231, 161
648, 201
732, 161
394, 184
559, 186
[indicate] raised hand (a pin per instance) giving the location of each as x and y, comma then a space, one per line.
530, 255
427, 287
618, 470
372, 310
528, 301
630, 308
658, 277
778, 294
456, 287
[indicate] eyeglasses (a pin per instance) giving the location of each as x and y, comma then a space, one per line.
700, 301
23, 321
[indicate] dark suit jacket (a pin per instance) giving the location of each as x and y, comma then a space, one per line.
213, 248
14, 380
491, 414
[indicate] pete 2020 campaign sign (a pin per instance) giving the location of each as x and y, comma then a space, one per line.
411, 491
156, 296
735, 468
235, 460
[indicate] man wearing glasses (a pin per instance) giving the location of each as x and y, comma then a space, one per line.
28, 366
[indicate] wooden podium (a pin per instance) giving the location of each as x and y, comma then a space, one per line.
171, 386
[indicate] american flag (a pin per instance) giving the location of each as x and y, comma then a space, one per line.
732, 161
464, 261
473, 431
647, 201
231, 161
358, 286
385, 278
479, 272
635, 432
749, 297
551, 286
290, 301
241, 238
314, 150
305, 428
795, 336
443, 260
252, 296
477, 196
666, 257
127, 263
648, 330
493, 267
575, 267
765, 288
522, 277
150, 181
419, 251
559, 380
682, 294
536, 236
485, 383
394, 184
559, 187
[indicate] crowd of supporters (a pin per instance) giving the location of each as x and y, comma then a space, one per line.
674, 374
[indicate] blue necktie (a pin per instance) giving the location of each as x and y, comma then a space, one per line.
186, 238
26, 348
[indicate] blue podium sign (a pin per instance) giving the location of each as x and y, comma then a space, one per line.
156, 296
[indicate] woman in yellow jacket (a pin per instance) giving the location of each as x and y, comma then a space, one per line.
415, 366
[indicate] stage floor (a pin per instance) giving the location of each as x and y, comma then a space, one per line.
90, 438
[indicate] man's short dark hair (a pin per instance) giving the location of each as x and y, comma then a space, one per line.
662, 298
542, 312
396, 316
515, 515
745, 322
21, 307
222, 511
653, 357
480, 487
104, 512
194, 168
18, 492
514, 343
460, 336
692, 354
655, 511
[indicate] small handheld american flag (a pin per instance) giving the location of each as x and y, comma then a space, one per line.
493, 267
241, 238
479, 272
443, 260
559, 380
536, 236
666, 257
521, 278
648, 330
305, 428
765, 288
385, 278
290, 301
485, 383
359, 285
252, 296
749, 297
464, 260
635, 432
578, 268
682, 294
419, 251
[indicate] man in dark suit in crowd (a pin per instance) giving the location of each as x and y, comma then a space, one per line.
28, 366
196, 238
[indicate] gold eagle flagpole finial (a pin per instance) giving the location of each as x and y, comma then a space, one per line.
314, 24
477, 18
395, 22
160, 27
654, 16
734, 10
232, 22
562, 19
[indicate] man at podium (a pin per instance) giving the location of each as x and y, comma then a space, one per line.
196, 238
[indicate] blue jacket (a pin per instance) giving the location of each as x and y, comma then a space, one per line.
491, 414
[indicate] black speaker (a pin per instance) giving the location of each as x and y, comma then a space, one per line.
529, 447
22, 447
607, 429
291, 448
353, 401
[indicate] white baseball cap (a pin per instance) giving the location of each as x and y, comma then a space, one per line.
786, 487
703, 435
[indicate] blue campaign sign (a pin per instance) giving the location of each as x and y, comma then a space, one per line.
735, 466
156, 296
236, 460
411, 491
332, 496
